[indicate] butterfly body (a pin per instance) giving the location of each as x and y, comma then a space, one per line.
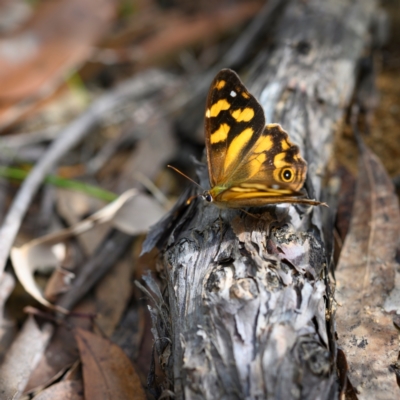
250, 164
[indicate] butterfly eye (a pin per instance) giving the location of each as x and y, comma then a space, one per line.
287, 175
207, 197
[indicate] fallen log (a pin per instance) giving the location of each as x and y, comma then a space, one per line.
246, 308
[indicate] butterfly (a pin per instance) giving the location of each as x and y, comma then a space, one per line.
250, 164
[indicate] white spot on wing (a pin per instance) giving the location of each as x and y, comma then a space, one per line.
208, 113
233, 94
275, 187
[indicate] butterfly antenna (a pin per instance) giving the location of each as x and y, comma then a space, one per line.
181, 173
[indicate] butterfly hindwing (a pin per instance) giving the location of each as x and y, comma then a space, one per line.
273, 162
234, 120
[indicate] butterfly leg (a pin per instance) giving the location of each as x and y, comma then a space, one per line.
250, 214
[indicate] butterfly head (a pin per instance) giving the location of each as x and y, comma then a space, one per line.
207, 196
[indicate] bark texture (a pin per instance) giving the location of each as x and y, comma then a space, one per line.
245, 308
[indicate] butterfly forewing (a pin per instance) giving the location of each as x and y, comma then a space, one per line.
234, 120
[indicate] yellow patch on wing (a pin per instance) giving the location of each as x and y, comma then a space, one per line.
253, 186
232, 195
264, 143
253, 167
219, 106
243, 115
285, 145
279, 160
220, 84
240, 189
245, 95
280, 163
236, 147
221, 134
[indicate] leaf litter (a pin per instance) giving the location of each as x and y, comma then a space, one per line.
69, 390
113, 304
22, 358
365, 277
132, 213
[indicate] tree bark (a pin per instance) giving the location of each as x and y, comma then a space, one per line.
245, 310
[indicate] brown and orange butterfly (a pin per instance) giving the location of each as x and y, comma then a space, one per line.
250, 163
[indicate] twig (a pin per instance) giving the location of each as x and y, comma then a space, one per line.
28, 138
105, 257
152, 188
68, 138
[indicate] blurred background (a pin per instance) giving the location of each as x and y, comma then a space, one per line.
129, 79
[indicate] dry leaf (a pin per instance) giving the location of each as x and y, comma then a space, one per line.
69, 390
28, 259
137, 215
112, 294
35, 60
131, 213
13, 13
62, 351
59, 36
73, 206
365, 277
107, 372
22, 358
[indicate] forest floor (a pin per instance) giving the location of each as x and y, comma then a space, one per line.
53, 68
